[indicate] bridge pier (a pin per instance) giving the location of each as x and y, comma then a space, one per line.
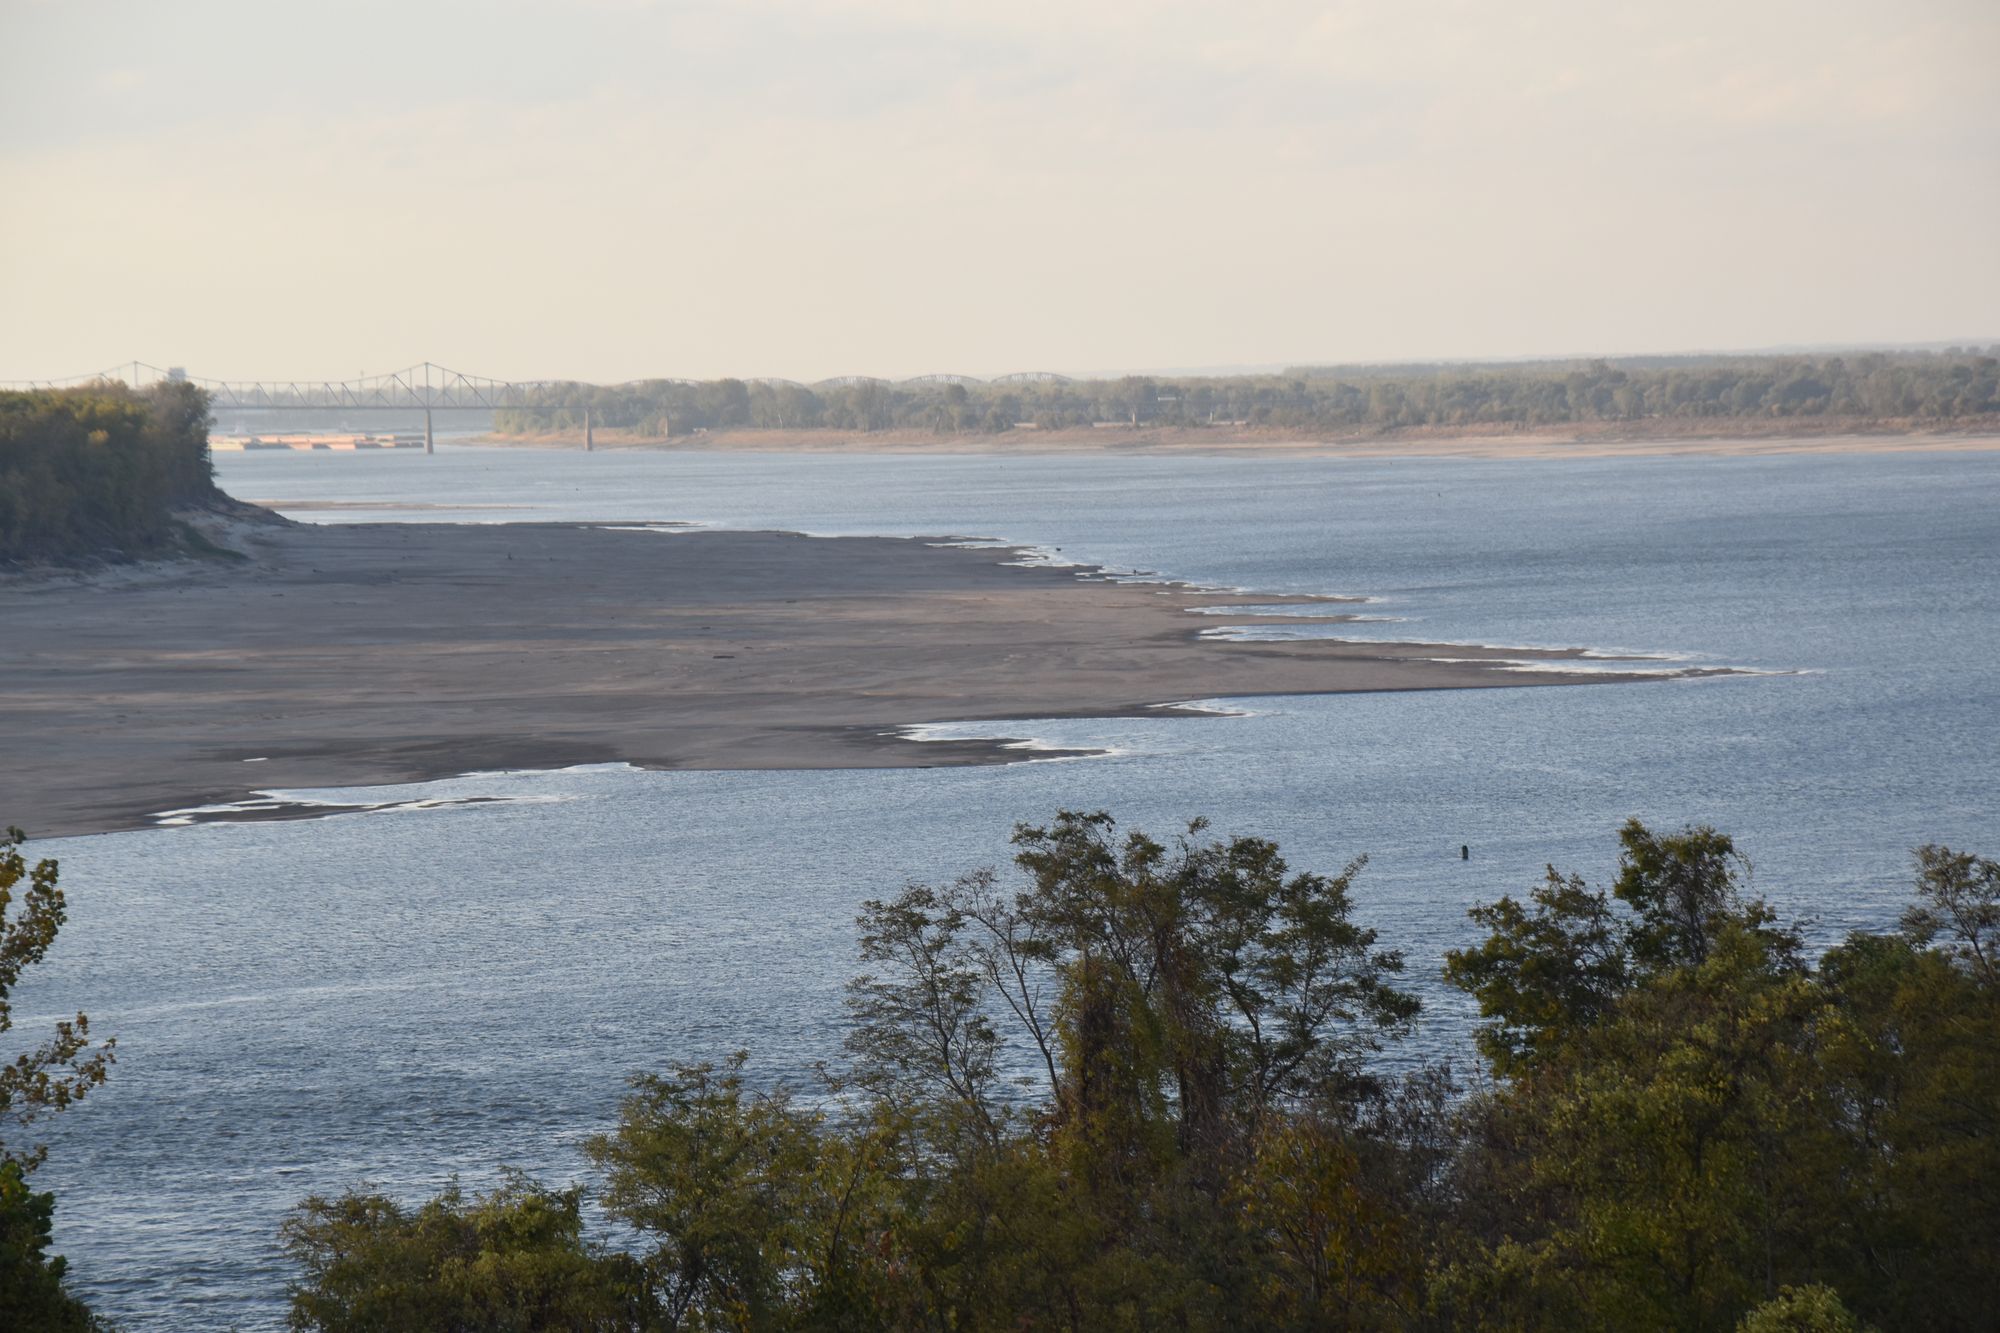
589, 436
430, 446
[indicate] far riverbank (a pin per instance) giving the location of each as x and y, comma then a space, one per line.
1746, 437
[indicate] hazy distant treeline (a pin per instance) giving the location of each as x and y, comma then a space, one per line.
1941, 386
99, 469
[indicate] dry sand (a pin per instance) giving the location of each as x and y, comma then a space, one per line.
377, 653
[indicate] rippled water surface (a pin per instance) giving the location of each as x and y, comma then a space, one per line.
392, 998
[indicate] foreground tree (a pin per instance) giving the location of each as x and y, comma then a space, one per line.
1692, 1121
65, 1065
1909, 1060
32, 1294
505, 1262
756, 1213
1138, 1088
1109, 1056
46, 1077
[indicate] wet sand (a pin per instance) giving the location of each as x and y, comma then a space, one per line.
378, 653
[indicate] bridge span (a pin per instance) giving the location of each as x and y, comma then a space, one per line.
421, 388
429, 387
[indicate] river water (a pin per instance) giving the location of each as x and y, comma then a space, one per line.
395, 998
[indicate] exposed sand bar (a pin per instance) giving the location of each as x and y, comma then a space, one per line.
377, 653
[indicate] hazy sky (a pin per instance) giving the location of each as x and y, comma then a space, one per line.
815, 187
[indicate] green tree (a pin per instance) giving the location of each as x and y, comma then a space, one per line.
32, 1294
1550, 970
1136, 1089
511, 1261
1691, 1119
99, 471
1958, 899
1809, 1309
1547, 971
1197, 987
1911, 1063
756, 1215
47, 1077
1176, 1006
66, 1065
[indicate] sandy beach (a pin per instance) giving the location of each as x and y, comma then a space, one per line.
379, 653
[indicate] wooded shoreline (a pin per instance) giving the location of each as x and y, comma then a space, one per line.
1734, 437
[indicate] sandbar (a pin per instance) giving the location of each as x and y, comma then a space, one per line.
362, 654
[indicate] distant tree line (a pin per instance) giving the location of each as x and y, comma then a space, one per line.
1953, 385
1142, 1089
100, 469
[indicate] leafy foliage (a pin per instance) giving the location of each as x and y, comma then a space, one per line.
1140, 1088
1553, 970
47, 1077
514, 1259
1810, 1309
67, 1064
1716, 1122
32, 1295
99, 470
754, 1212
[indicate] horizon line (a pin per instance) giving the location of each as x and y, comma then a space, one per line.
1975, 345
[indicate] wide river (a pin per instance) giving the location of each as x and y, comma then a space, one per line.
394, 998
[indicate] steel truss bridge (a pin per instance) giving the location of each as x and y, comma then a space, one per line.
430, 387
